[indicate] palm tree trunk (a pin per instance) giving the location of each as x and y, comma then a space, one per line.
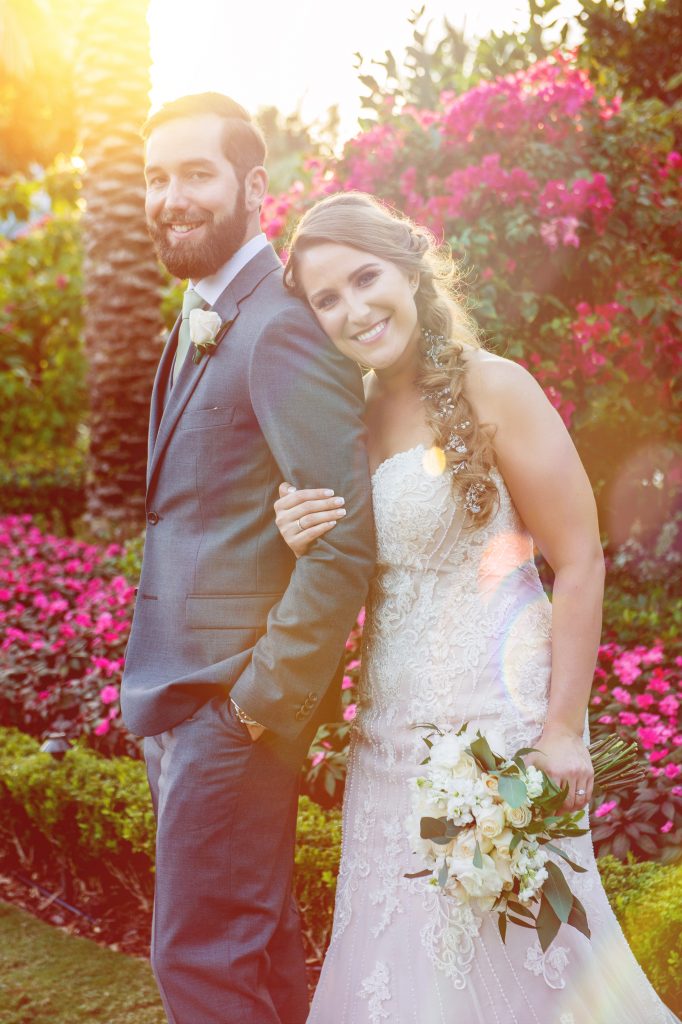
122, 291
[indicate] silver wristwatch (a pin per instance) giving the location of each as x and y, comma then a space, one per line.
244, 718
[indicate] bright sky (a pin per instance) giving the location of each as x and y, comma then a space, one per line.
298, 54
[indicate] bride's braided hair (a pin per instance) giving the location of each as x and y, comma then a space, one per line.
362, 222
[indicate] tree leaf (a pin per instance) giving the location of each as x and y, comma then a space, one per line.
556, 891
513, 790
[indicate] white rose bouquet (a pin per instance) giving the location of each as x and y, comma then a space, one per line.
485, 824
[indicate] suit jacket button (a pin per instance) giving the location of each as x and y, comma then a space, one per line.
153, 518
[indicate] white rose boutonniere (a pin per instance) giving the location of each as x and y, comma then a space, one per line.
204, 328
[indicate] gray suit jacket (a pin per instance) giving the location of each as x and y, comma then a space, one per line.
222, 605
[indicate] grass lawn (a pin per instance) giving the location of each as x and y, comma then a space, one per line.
48, 977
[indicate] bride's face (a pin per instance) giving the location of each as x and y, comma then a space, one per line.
363, 303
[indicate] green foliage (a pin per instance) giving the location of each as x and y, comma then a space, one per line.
643, 52
647, 899
42, 366
50, 485
94, 815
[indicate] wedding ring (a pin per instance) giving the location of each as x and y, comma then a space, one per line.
580, 792
299, 525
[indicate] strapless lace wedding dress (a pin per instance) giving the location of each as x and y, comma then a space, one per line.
458, 629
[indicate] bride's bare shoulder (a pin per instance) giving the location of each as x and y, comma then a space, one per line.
494, 383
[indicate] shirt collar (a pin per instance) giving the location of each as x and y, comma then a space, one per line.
211, 287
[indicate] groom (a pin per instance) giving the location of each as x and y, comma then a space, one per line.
234, 644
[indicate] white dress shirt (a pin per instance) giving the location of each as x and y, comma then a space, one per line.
211, 287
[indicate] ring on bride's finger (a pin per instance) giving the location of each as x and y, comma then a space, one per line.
299, 525
581, 792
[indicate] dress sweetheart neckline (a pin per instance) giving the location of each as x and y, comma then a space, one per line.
396, 455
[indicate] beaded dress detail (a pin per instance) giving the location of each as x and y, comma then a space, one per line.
458, 629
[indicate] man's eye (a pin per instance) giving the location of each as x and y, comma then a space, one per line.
198, 176
154, 182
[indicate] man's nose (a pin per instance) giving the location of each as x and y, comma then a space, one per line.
175, 198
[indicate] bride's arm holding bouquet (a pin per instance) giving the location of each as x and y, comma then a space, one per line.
551, 490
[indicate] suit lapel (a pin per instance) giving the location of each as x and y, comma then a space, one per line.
164, 420
160, 390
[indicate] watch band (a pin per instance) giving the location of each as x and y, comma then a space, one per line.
244, 718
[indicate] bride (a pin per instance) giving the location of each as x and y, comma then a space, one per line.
472, 466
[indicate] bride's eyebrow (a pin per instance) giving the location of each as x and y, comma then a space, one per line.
356, 273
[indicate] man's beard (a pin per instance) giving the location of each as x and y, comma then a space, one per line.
196, 260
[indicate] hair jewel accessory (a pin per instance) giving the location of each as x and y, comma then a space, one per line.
437, 344
472, 496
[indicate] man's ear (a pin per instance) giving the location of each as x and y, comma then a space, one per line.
255, 188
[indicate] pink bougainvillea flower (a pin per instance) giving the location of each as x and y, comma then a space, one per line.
108, 694
350, 712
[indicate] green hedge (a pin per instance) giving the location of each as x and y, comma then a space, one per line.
94, 814
49, 485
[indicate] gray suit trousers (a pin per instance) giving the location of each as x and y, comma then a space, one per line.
226, 944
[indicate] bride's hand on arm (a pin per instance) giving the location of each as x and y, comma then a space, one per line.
303, 516
553, 495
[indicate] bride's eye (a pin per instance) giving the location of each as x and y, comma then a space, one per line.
326, 303
367, 277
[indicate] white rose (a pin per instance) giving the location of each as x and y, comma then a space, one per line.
204, 324
518, 817
482, 884
501, 842
490, 821
466, 768
491, 783
503, 868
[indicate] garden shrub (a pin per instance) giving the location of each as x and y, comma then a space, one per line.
93, 816
648, 903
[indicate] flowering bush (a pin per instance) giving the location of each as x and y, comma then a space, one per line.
64, 620
565, 201
638, 693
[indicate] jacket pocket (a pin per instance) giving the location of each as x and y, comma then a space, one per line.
234, 611
198, 419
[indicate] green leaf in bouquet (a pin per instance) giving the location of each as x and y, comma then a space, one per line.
556, 890
520, 921
443, 876
513, 790
547, 923
560, 852
516, 839
578, 918
480, 749
418, 874
502, 925
432, 828
519, 908
478, 857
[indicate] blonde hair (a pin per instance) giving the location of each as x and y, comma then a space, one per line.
362, 222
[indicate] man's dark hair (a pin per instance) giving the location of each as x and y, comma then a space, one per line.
243, 142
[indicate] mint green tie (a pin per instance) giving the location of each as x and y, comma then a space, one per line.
190, 300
